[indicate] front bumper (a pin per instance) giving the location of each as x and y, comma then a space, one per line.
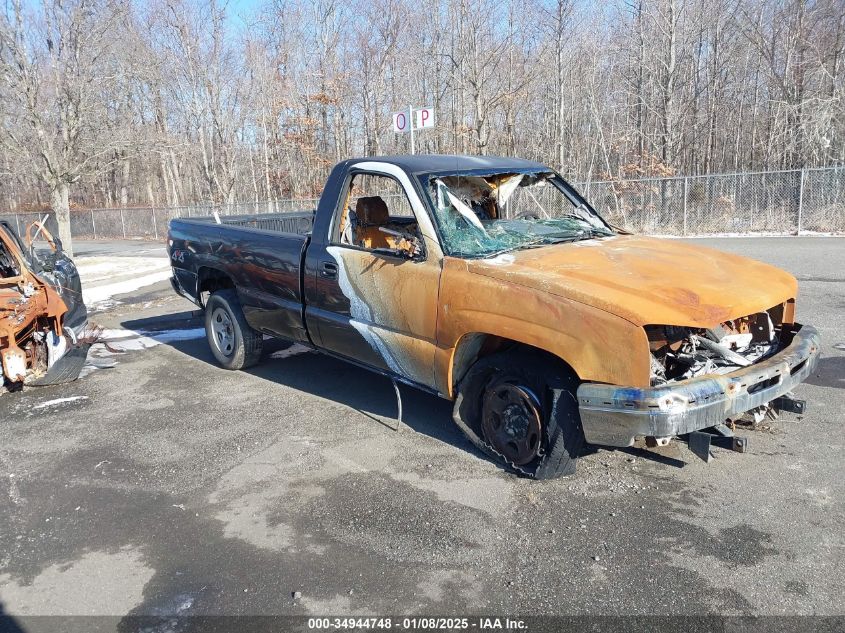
614, 416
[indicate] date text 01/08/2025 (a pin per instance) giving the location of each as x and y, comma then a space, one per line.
417, 623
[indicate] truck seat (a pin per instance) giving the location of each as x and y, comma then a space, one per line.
372, 213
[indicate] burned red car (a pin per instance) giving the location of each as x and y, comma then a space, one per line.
43, 318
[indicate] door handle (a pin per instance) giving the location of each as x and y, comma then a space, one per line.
328, 270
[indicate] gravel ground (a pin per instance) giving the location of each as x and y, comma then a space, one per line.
166, 485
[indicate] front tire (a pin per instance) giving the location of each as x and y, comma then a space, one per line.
519, 407
233, 342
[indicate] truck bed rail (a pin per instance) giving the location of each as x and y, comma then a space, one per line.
296, 222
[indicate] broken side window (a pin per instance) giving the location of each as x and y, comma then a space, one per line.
376, 214
494, 213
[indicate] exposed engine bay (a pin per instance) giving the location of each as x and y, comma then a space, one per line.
680, 353
42, 316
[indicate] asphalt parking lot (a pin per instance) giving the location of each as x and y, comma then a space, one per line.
166, 485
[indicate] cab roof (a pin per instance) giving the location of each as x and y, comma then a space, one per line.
438, 163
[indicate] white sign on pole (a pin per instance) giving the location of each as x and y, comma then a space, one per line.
413, 119
424, 118
401, 122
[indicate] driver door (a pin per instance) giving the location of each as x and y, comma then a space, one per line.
376, 305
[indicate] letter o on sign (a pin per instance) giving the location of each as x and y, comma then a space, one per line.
400, 122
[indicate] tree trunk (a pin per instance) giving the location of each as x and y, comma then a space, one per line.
124, 180
61, 207
666, 110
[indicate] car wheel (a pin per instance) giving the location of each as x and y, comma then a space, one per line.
520, 408
233, 342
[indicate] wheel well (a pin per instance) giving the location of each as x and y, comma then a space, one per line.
473, 347
211, 280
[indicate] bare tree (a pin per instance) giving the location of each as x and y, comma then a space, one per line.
177, 102
52, 72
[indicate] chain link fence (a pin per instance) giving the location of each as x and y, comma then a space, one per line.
151, 222
776, 202
746, 203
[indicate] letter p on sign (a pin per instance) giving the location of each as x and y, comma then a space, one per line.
425, 118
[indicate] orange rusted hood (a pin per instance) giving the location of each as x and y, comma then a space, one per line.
646, 280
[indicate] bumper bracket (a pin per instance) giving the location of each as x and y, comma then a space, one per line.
789, 404
699, 442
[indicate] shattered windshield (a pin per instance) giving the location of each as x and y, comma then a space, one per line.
482, 215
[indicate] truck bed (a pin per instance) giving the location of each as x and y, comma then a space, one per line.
260, 256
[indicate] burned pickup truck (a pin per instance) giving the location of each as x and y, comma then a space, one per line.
493, 283
42, 316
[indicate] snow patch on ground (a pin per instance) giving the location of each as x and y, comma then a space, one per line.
120, 341
132, 340
94, 269
57, 401
92, 365
106, 277
98, 294
293, 350
104, 306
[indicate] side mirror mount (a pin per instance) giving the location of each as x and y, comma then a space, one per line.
408, 252
407, 245
411, 247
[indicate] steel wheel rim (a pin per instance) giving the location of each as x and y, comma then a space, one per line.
222, 332
512, 422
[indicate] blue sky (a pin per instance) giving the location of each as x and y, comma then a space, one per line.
240, 7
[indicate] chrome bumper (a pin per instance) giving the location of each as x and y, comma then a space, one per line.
613, 416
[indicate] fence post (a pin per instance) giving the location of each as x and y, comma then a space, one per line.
155, 226
686, 189
93, 224
122, 223
800, 200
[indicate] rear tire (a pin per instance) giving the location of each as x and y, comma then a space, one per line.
233, 342
534, 392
